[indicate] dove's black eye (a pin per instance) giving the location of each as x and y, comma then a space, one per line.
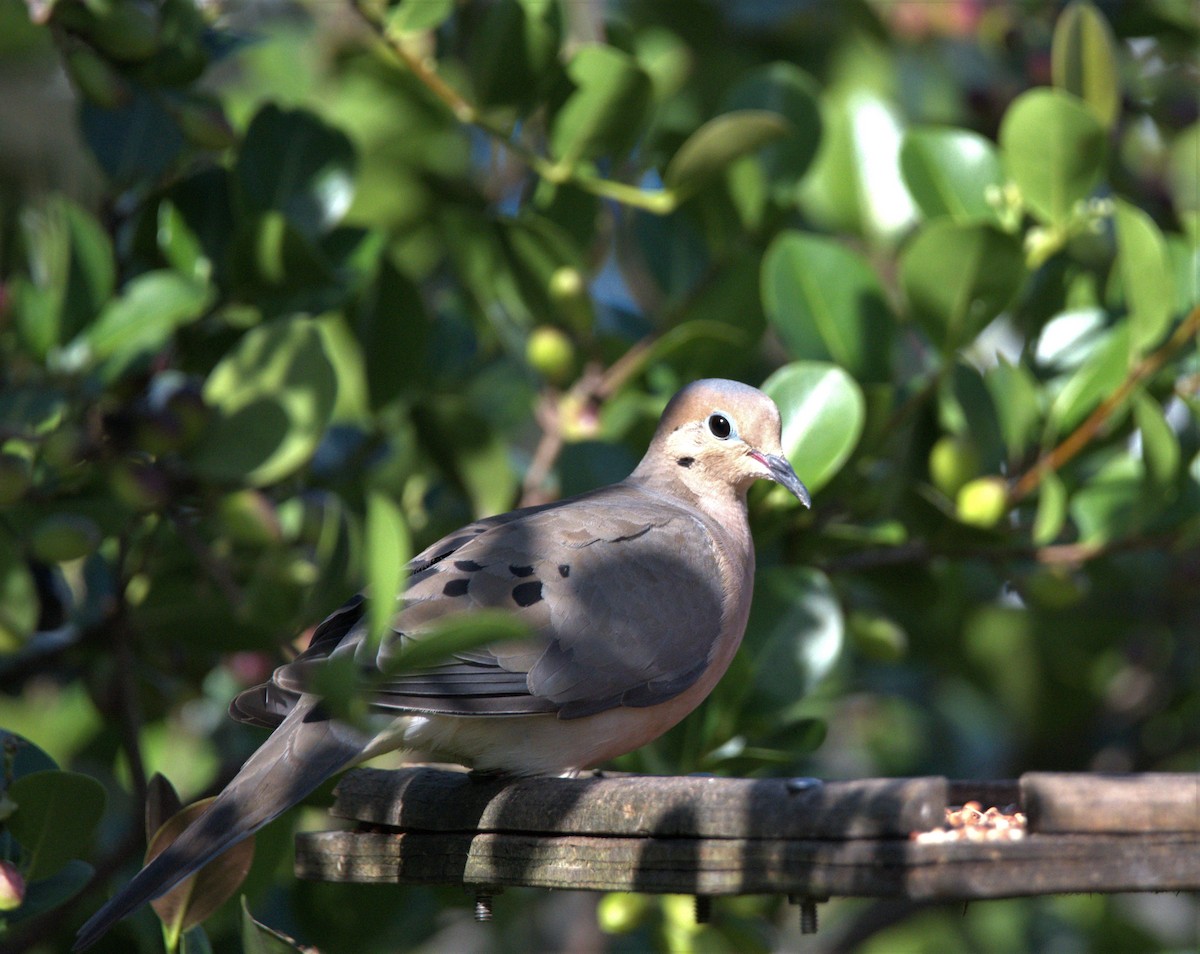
720, 427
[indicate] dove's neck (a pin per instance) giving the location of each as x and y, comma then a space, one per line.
721, 501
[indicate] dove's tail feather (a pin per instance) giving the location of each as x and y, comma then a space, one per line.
303, 752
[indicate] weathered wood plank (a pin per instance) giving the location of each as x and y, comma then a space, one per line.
435, 800
1150, 802
1037, 865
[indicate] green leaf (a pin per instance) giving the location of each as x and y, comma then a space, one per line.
785, 89
512, 55
388, 548
826, 303
1160, 447
455, 633
1184, 180
718, 143
19, 605
1094, 380
1083, 60
1054, 148
1113, 503
55, 816
272, 395
142, 320
606, 110
292, 162
139, 140
179, 244
823, 411
1051, 512
1145, 274
46, 894
414, 16
957, 278
1017, 401
257, 938
949, 172
196, 897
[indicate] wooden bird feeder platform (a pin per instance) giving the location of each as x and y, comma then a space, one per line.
724, 836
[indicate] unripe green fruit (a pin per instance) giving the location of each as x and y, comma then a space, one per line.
620, 912
205, 125
953, 462
64, 448
878, 637
64, 536
139, 485
1054, 588
249, 517
16, 475
568, 290
158, 433
982, 502
550, 352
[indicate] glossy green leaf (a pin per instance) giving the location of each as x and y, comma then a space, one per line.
785, 89
1160, 446
1083, 60
1145, 275
949, 173
718, 143
823, 411
179, 244
957, 278
1051, 514
1054, 148
53, 891
257, 938
414, 16
54, 819
150, 309
604, 113
1017, 400
388, 548
825, 301
196, 897
1093, 381
1183, 258
272, 395
292, 162
1183, 176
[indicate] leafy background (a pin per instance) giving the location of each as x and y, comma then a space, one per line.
291, 288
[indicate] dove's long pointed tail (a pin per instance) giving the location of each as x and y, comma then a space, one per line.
303, 752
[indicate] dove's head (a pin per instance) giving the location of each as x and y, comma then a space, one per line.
718, 434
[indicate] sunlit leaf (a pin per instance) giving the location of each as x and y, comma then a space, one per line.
1055, 149
604, 113
455, 633
957, 278
720, 142
1051, 512
827, 303
823, 410
1017, 400
18, 596
1097, 378
1083, 59
949, 172
1145, 276
413, 16
1160, 446
388, 547
55, 816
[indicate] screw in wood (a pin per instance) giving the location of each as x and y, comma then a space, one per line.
483, 906
808, 912
703, 908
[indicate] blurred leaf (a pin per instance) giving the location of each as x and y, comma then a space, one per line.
195, 898
451, 634
413, 16
512, 52
1084, 60
605, 112
826, 302
1051, 512
55, 816
784, 89
823, 410
1054, 148
139, 140
1112, 503
1017, 401
949, 173
27, 758
1160, 447
1097, 378
18, 597
292, 162
272, 396
142, 320
179, 244
258, 938
718, 143
388, 549
1145, 275
957, 278
46, 894
1184, 161
162, 802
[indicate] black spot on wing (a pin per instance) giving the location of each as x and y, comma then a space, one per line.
526, 594
564, 570
517, 570
456, 587
467, 566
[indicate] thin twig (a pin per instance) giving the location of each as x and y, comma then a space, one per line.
1086, 432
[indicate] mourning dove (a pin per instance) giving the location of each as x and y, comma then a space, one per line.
636, 596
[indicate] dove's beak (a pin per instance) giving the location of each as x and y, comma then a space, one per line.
780, 471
